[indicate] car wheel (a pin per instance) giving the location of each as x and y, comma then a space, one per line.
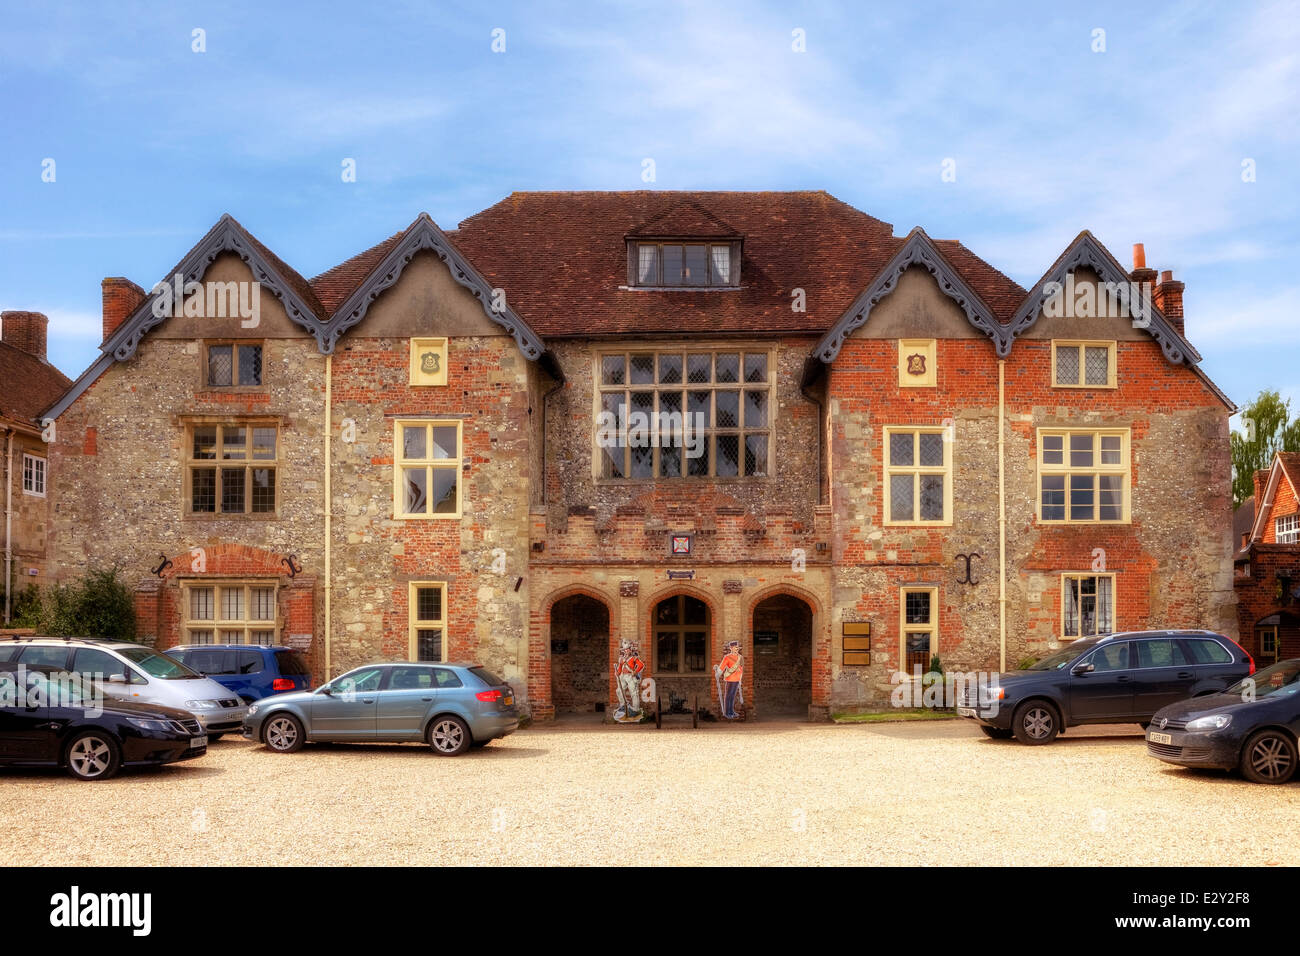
1036, 722
997, 733
1268, 757
93, 755
283, 733
449, 736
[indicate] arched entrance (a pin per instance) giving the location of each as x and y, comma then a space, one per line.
579, 655
783, 656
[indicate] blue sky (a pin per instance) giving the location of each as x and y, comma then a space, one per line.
1143, 142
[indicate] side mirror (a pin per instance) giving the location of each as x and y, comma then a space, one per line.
117, 678
1080, 669
325, 689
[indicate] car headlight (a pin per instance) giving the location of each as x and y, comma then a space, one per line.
201, 705
145, 723
993, 693
252, 709
1212, 722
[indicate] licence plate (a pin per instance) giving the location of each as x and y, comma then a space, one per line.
196, 742
965, 711
510, 701
1160, 738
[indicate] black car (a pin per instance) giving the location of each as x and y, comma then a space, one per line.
1253, 726
1115, 679
51, 718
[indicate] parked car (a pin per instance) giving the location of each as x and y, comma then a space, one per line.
52, 718
1252, 726
135, 672
1115, 679
451, 707
253, 671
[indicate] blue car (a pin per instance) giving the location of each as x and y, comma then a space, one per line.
253, 671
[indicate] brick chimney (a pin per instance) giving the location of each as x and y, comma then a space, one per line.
1261, 479
1169, 300
1145, 277
24, 330
121, 298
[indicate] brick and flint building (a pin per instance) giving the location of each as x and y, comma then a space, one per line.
665, 419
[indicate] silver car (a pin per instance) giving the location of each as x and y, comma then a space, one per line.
134, 672
451, 707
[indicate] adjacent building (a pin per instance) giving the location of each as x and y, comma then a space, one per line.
589, 428
1268, 564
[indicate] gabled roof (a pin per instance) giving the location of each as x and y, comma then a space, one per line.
1285, 467
30, 385
687, 220
424, 234
918, 249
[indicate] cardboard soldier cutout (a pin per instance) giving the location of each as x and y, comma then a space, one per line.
627, 683
728, 676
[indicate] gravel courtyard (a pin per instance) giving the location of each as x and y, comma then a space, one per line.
931, 792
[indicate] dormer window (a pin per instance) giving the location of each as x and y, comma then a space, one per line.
683, 264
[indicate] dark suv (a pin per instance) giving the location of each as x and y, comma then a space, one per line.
1116, 679
253, 671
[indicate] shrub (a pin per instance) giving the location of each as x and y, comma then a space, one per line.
99, 605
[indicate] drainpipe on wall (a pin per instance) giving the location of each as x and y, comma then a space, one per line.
329, 504
1002, 518
9, 511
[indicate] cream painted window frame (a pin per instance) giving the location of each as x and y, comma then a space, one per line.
218, 464
600, 390
42, 473
1123, 469
1114, 602
889, 470
217, 624
1083, 345
430, 464
904, 628
415, 625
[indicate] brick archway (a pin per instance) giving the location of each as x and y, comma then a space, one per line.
793, 673
540, 698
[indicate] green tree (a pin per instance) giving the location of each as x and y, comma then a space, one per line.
1266, 428
99, 605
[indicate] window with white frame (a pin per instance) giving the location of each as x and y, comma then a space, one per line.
1087, 605
1083, 476
234, 612
1287, 529
698, 414
918, 475
34, 475
427, 621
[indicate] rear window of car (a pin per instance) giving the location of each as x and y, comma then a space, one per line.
291, 663
1203, 651
249, 661
486, 676
212, 660
7, 654
50, 656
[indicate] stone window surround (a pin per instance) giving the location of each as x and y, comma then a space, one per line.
1123, 469
712, 348
1082, 345
416, 624
1082, 576
189, 423
889, 470
205, 347
35, 475
217, 623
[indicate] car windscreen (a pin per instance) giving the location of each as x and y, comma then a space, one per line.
1054, 662
1280, 680
486, 676
291, 664
157, 665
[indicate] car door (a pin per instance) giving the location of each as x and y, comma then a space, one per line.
1163, 675
348, 711
404, 700
1105, 691
1211, 663
22, 717
247, 676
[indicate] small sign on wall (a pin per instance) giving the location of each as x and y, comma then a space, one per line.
428, 361
857, 644
766, 642
299, 642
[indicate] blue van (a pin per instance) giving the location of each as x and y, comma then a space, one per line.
253, 671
